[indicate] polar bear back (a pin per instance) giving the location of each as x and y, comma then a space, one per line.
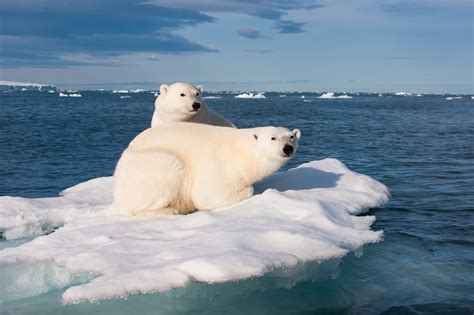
195, 144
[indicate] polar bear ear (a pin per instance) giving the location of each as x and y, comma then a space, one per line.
297, 133
200, 88
164, 89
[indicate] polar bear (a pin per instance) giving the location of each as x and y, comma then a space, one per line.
182, 102
182, 167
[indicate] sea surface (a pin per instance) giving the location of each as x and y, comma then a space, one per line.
422, 148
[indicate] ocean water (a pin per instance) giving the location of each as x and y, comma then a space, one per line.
422, 148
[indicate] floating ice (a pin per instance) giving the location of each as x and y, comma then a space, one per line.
61, 94
125, 96
211, 97
282, 95
331, 95
301, 215
251, 95
403, 94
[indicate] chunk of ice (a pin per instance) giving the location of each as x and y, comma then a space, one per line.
301, 215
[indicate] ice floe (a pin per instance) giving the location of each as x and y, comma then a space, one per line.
305, 214
61, 94
331, 95
251, 95
212, 97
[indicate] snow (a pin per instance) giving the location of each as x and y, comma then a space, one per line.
301, 215
251, 95
331, 95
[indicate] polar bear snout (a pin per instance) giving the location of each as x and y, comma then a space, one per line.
288, 149
196, 106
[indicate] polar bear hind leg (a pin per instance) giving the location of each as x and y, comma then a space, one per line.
148, 183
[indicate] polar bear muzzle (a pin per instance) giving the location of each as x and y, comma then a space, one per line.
288, 150
196, 106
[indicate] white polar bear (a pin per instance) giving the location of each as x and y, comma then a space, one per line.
182, 102
182, 167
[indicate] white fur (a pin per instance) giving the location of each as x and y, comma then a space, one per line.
179, 168
171, 107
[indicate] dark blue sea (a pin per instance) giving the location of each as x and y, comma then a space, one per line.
422, 148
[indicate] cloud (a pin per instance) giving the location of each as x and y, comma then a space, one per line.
289, 27
37, 33
251, 33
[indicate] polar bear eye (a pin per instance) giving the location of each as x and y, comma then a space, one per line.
182, 94
273, 138
197, 94
292, 137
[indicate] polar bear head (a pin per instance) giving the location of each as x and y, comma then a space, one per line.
276, 143
180, 100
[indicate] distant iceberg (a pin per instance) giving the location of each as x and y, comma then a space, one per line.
403, 94
125, 96
211, 97
331, 95
61, 94
251, 95
306, 214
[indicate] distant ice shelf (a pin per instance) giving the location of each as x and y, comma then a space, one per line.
306, 214
25, 86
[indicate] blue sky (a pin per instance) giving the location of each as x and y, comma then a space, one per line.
367, 45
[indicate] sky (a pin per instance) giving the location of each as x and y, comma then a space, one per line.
273, 45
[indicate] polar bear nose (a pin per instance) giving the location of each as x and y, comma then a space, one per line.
196, 105
288, 149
